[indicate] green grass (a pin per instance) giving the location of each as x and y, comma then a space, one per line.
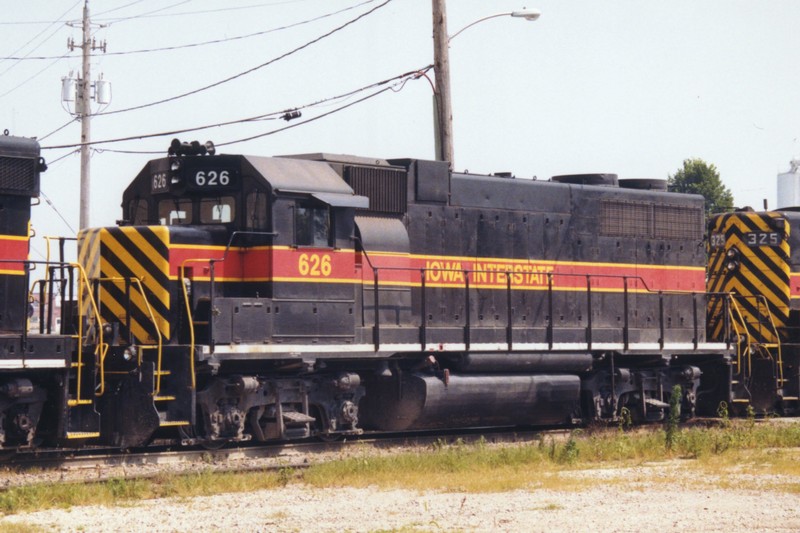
122, 491
736, 446
480, 468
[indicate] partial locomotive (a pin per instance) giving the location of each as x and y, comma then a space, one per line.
754, 303
42, 396
285, 297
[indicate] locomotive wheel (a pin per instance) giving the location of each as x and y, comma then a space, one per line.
190, 433
327, 437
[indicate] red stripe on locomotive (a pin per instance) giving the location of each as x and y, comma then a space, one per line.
12, 248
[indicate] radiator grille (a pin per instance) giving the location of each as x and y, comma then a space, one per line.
678, 222
17, 174
386, 188
648, 220
625, 219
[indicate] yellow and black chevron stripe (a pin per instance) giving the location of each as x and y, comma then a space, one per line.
130, 252
749, 255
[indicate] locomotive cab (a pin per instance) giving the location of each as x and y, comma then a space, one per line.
206, 234
219, 258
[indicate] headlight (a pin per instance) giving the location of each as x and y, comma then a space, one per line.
129, 353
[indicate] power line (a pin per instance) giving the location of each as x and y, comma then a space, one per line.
48, 22
54, 161
58, 129
301, 123
251, 70
151, 14
121, 7
53, 206
32, 39
49, 201
31, 78
400, 80
213, 41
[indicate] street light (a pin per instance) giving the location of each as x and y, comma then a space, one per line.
441, 66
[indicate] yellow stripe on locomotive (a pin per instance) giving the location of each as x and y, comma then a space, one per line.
749, 256
115, 258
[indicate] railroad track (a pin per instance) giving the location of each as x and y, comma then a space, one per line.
99, 464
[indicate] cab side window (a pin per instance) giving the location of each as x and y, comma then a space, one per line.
220, 210
138, 212
256, 215
312, 225
175, 212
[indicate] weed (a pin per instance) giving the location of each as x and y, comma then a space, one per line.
674, 416
625, 420
285, 475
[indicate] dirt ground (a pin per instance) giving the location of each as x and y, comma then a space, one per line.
664, 498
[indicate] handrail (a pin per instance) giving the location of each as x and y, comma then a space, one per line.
767, 316
509, 287
736, 312
138, 283
101, 349
181, 281
777, 337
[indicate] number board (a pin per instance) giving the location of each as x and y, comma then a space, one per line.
159, 182
212, 178
212, 173
762, 238
717, 240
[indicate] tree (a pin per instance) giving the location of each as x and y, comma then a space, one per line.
698, 177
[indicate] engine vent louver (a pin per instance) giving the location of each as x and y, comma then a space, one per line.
647, 220
17, 174
386, 188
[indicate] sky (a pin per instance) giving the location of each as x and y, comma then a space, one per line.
630, 87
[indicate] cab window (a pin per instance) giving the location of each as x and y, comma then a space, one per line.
220, 210
312, 225
138, 212
175, 212
256, 211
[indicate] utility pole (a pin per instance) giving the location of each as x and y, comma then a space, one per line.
441, 67
84, 94
80, 91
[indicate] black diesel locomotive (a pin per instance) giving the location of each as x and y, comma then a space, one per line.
284, 297
271, 298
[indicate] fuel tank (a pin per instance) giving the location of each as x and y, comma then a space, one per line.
416, 401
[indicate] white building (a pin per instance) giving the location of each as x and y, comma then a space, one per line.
789, 186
